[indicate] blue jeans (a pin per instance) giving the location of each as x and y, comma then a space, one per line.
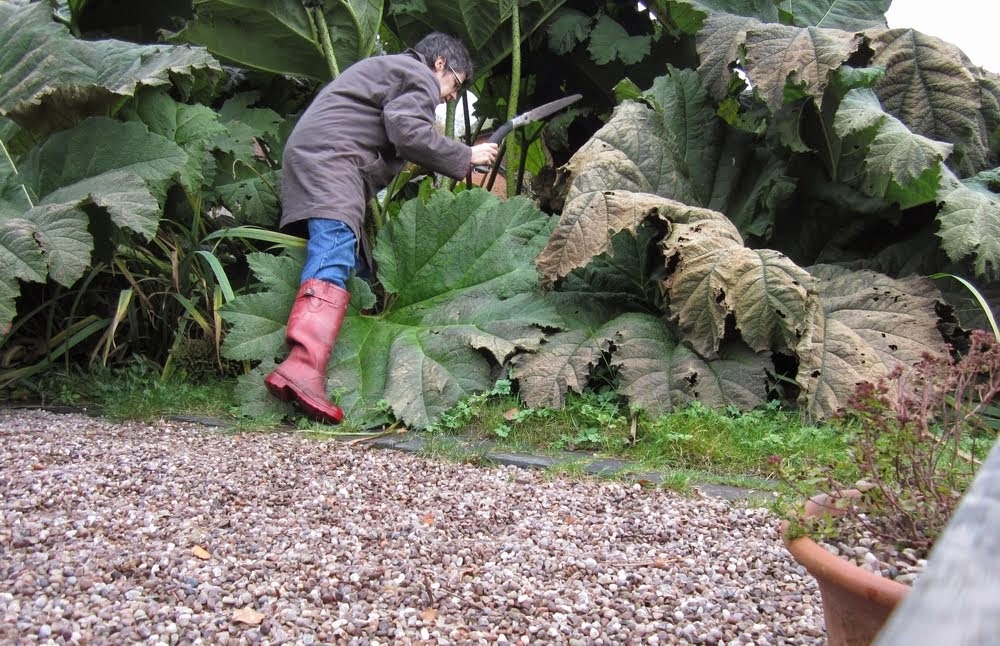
332, 252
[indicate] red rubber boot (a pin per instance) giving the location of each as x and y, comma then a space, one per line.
313, 327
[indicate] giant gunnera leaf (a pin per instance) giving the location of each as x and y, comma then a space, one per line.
777, 55
282, 36
657, 369
50, 80
931, 87
849, 15
772, 56
672, 154
970, 222
460, 286
896, 158
716, 283
729, 309
120, 168
658, 373
869, 323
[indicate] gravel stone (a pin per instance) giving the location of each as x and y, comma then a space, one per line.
106, 527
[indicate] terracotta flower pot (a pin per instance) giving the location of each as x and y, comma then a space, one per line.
856, 602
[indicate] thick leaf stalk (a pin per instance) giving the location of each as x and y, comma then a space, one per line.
318, 19
514, 150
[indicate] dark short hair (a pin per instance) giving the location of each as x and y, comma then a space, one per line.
437, 44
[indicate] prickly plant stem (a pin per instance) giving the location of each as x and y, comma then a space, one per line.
323, 31
516, 154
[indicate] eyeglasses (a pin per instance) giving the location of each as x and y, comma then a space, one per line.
459, 83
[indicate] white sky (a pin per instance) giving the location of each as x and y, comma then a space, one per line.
972, 25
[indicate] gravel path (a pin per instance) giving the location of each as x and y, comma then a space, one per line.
178, 533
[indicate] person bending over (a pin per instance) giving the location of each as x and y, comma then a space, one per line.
351, 141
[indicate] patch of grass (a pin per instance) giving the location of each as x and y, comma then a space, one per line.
443, 447
257, 424
135, 392
568, 469
733, 447
590, 422
677, 482
733, 442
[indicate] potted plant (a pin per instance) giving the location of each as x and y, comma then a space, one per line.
909, 462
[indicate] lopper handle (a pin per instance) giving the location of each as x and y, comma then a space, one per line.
497, 137
501, 132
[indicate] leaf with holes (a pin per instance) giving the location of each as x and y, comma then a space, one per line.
868, 324
658, 373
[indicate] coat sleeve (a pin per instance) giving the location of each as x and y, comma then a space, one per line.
410, 125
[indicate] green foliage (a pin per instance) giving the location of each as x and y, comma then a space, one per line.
610, 41
65, 79
109, 205
849, 15
458, 418
896, 157
785, 126
567, 29
483, 25
287, 35
811, 150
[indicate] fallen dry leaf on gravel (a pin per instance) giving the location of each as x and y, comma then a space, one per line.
201, 552
248, 616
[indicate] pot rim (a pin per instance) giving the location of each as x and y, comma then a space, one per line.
834, 568
840, 571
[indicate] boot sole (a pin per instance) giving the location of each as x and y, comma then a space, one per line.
286, 391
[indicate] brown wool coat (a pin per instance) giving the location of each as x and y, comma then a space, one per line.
356, 135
